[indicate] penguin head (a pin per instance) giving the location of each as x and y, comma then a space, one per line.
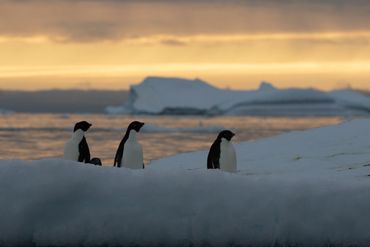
83, 125
135, 125
226, 134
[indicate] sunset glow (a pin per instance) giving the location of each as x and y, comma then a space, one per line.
230, 44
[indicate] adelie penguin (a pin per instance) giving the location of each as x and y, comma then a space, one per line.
77, 148
130, 153
222, 153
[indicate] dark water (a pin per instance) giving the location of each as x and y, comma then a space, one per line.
36, 136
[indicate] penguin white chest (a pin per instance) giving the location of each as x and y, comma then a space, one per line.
71, 147
132, 153
227, 156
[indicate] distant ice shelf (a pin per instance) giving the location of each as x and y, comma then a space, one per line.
176, 96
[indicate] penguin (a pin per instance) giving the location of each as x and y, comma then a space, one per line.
77, 148
222, 153
96, 161
130, 153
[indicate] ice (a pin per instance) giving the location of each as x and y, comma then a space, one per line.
156, 95
151, 128
308, 188
351, 100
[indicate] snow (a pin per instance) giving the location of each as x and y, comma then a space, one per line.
156, 95
308, 188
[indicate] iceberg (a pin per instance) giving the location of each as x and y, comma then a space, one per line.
152, 128
304, 188
156, 95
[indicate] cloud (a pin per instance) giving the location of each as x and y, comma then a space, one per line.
238, 2
173, 42
98, 20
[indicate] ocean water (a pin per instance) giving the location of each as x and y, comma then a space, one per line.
37, 136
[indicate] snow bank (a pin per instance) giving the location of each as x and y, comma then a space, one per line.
157, 95
309, 188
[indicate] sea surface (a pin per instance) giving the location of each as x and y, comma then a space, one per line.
38, 136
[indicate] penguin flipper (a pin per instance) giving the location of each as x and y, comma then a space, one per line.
209, 161
119, 154
84, 151
216, 164
213, 164
213, 159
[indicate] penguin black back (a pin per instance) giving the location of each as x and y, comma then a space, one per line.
135, 125
213, 158
83, 147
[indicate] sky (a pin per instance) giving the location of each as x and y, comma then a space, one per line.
110, 44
